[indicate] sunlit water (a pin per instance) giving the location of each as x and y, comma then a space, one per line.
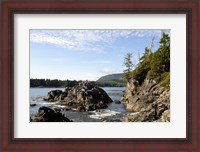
113, 113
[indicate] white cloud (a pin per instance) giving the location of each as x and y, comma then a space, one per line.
86, 40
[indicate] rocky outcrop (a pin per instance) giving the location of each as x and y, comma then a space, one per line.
82, 97
150, 102
46, 114
53, 95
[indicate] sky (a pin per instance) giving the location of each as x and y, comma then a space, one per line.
86, 54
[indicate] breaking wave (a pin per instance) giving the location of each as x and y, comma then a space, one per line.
99, 114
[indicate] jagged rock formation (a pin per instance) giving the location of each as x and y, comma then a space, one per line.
82, 97
150, 102
46, 114
53, 95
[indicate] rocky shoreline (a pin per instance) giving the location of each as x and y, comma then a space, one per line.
82, 97
150, 102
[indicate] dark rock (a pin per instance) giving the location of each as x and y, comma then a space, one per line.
82, 97
48, 97
101, 105
55, 92
62, 96
87, 97
67, 89
66, 108
46, 114
160, 109
117, 102
81, 108
33, 104
51, 100
53, 95
56, 109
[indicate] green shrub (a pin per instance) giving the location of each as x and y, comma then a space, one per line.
142, 69
165, 80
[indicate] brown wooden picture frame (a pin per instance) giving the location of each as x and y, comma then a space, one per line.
10, 7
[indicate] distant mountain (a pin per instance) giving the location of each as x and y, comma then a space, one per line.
111, 80
111, 77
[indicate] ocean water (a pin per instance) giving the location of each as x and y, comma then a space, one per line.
113, 113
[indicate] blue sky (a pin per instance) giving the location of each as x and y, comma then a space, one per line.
85, 54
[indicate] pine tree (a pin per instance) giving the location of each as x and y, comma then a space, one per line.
128, 64
165, 40
147, 52
160, 62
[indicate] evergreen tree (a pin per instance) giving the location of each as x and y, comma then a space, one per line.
165, 40
160, 62
155, 65
147, 52
128, 64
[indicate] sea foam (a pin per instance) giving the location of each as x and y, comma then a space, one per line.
102, 114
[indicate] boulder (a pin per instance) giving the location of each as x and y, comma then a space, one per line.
82, 97
86, 97
46, 114
53, 95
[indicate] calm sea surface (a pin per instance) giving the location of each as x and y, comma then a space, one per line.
113, 113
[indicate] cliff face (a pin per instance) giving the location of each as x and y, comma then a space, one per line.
149, 102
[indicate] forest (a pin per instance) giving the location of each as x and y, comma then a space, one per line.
152, 65
70, 83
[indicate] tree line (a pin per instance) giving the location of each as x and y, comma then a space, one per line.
52, 83
71, 83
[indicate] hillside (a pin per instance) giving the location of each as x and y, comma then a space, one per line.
147, 93
155, 66
111, 77
111, 80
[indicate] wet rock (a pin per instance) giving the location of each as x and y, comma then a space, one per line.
82, 97
66, 108
46, 114
117, 102
33, 104
56, 109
